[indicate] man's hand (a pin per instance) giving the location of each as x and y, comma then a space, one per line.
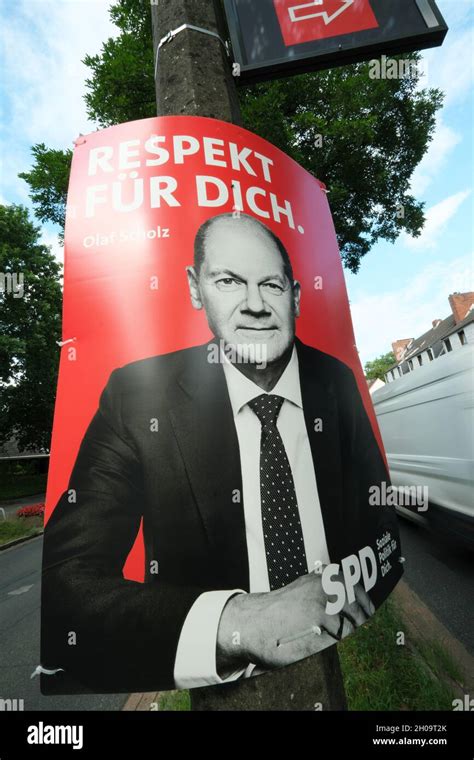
280, 627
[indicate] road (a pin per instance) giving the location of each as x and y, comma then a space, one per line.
442, 574
20, 571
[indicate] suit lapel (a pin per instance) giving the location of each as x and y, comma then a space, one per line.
320, 403
204, 428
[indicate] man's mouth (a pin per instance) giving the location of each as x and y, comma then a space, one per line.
256, 334
256, 329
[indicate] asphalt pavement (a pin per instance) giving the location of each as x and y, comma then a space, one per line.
442, 574
20, 575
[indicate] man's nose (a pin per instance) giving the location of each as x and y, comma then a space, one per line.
254, 301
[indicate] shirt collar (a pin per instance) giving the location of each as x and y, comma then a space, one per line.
242, 390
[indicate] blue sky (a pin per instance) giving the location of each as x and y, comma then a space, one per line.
399, 289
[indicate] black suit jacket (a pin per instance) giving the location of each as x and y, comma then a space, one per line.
181, 479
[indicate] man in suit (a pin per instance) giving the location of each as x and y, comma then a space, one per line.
251, 478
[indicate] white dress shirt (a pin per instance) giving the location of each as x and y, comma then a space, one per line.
195, 663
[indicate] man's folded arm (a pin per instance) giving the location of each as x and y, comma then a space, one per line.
106, 632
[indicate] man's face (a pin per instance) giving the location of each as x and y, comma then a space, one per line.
244, 290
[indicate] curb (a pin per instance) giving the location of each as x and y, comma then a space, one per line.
423, 624
142, 702
21, 540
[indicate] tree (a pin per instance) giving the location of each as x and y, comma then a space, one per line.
30, 325
48, 181
363, 137
122, 86
378, 367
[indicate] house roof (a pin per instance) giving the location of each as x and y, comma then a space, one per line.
443, 330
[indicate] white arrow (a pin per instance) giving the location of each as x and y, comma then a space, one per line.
324, 14
21, 590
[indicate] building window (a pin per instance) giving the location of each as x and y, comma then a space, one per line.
399, 371
462, 337
420, 360
448, 345
430, 354
410, 364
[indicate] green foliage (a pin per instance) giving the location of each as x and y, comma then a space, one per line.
122, 86
378, 367
15, 486
29, 327
374, 132
48, 181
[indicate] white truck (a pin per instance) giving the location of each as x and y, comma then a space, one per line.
426, 419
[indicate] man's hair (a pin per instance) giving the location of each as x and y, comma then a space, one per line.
203, 231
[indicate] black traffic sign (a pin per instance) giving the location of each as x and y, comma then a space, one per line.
272, 39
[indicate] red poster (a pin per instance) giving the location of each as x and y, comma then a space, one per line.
319, 19
215, 456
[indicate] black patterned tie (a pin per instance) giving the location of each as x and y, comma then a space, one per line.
283, 535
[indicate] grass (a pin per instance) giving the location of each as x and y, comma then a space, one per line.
18, 528
439, 660
379, 674
16, 486
174, 700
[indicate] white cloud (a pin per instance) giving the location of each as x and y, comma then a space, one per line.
457, 13
408, 310
443, 143
451, 67
437, 218
15, 160
44, 44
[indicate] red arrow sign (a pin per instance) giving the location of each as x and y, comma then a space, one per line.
316, 19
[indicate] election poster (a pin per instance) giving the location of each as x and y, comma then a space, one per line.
214, 506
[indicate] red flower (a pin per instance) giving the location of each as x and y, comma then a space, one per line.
35, 510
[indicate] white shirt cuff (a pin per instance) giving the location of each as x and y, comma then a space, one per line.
195, 663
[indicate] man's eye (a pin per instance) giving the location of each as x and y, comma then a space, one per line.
274, 288
228, 283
